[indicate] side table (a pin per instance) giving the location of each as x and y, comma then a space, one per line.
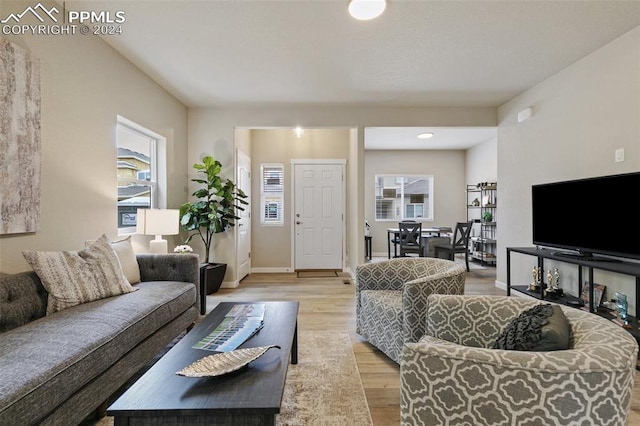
367, 246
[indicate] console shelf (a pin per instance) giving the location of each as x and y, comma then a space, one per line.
601, 263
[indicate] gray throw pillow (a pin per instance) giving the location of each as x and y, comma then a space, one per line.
541, 328
72, 278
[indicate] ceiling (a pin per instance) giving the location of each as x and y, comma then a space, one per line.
402, 138
214, 53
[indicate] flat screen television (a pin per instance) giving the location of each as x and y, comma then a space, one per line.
598, 215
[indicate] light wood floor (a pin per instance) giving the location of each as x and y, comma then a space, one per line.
329, 304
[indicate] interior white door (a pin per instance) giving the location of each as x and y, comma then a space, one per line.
244, 223
318, 216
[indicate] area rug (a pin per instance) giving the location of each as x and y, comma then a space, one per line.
324, 388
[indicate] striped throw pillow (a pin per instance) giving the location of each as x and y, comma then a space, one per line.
72, 278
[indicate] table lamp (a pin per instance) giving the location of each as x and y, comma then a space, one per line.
157, 222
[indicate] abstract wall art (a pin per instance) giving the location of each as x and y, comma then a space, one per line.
19, 140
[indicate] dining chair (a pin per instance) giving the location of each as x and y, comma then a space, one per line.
396, 238
459, 244
410, 241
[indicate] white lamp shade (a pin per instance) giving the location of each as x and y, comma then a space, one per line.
157, 222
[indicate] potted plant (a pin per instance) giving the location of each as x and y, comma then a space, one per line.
214, 212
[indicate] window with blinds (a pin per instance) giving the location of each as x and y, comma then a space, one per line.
272, 194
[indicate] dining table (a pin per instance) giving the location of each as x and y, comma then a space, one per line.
394, 234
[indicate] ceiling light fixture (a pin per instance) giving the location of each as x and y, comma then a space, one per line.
366, 9
427, 135
298, 131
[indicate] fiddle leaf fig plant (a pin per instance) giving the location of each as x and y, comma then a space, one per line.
215, 210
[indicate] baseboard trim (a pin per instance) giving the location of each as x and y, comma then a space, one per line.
277, 270
230, 284
501, 285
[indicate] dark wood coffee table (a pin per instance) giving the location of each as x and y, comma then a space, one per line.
251, 396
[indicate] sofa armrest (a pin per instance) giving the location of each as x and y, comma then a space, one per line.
171, 267
415, 294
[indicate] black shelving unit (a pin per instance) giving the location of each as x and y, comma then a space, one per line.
483, 245
603, 264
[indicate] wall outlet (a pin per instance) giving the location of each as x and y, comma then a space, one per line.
619, 155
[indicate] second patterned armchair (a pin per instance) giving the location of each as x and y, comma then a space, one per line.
452, 376
391, 299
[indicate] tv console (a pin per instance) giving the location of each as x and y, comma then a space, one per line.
591, 263
583, 256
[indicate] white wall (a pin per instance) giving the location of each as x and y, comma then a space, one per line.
482, 162
85, 84
581, 116
211, 132
448, 171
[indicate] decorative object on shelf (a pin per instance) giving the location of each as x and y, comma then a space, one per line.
486, 185
157, 222
535, 272
215, 210
223, 363
475, 203
183, 249
550, 290
622, 307
487, 216
598, 294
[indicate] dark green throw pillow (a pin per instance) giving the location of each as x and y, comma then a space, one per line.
541, 328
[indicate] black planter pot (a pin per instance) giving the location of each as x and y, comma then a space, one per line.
211, 277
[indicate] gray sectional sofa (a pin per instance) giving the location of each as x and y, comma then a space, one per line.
57, 369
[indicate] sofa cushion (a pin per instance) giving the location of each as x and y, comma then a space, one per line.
72, 278
541, 328
127, 258
62, 352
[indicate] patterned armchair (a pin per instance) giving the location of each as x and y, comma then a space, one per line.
391, 298
451, 377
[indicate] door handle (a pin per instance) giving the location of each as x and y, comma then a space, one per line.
298, 222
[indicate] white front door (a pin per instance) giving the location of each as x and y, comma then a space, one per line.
244, 223
318, 215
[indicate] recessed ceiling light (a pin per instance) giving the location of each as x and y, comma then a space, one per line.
427, 135
366, 9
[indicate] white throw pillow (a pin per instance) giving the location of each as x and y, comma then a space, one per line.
127, 258
72, 278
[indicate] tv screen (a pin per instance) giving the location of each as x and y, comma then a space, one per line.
598, 215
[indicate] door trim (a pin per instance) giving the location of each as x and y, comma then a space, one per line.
239, 152
343, 163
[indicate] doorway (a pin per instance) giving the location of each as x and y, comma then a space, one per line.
318, 214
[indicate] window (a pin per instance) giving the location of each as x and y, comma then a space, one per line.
404, 197
139, 168
272, 194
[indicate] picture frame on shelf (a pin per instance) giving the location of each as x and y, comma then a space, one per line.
598, 294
